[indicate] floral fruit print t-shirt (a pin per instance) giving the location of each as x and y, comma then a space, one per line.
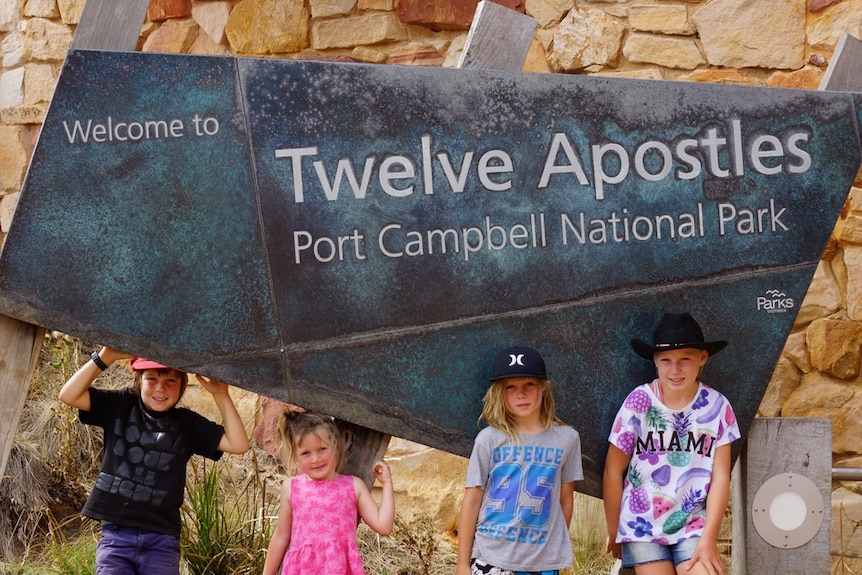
672, 451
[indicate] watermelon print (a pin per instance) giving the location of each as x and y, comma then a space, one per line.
671, 457
662, 504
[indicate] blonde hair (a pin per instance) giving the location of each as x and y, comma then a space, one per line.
495, 414
294, 426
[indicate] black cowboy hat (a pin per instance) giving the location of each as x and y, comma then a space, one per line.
676, 331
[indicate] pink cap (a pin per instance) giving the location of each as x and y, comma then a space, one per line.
140, 364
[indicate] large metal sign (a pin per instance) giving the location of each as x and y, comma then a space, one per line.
362, 239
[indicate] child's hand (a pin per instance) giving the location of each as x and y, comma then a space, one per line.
708, 556
211, 385
381, 471
614, 548
110, 355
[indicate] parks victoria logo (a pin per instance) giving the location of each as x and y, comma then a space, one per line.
775, 301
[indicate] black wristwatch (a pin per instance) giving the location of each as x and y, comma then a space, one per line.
98, 361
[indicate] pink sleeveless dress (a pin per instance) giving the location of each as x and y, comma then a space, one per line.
323, 530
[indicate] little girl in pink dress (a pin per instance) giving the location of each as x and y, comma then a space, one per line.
316, 528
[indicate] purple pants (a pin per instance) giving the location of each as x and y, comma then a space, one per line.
133, 551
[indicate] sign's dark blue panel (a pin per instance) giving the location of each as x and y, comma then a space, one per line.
363, 239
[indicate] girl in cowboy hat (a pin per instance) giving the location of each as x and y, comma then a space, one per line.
667, 473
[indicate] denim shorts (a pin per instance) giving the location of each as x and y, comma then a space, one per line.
638, 552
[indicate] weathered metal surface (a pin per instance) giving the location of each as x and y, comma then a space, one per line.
283, 231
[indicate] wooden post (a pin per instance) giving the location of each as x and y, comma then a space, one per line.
499, 38
20, 343
845, 69
782, 447
110, 25
104, 25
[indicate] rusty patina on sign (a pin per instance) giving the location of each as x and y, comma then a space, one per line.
363, 239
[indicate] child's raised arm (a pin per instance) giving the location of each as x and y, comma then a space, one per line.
281, 536
380, 518
235, 439
76, 391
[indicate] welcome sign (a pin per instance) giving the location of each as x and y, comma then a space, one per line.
363, 240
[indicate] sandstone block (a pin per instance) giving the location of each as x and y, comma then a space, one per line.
159, 10
817, 396
12, 88
174, 36
268, 26
784, 380
45, 40
41, 9
823, 297
442, 14
326, 8
796, 351
14, 155
660, 18
835, 347
851, 230
203, 45
12, 48
363, 29
846, 528
843, 18
808, 78
745, 34
19, 115
70, 10
9, 15
548, 12
212, 18
7, 209
712, 76
375, 5
663, 51
39, 81
585, 38
853, 269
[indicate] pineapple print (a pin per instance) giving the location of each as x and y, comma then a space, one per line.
639, 500
678, 519
655, 418
638, 401
680, 425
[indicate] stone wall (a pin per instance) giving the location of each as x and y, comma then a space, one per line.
775, 43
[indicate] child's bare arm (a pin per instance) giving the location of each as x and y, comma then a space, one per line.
567, 501
706, 553
381, 517
280, 540
616, 464
235, 438
467, 519
76, 391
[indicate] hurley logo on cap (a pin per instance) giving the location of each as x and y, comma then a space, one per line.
519, 362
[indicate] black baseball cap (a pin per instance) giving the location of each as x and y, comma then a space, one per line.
519, 361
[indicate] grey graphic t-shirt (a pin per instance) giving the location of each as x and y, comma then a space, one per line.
521, 525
